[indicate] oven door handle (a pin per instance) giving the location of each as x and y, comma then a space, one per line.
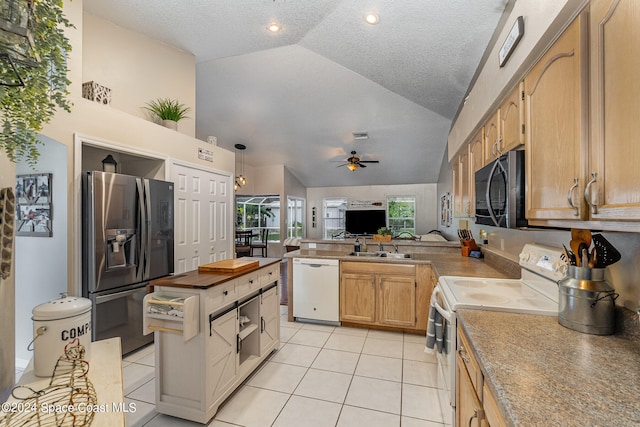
447, 315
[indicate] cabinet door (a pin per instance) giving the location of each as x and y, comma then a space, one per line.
476, 161
615, 90
492, 138
222, 360
556, 133
465, 200
358, 298
397, 300
512, 120
269, 319
469, 410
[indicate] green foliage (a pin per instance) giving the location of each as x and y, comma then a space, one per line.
24, 110
384, 231
168, 109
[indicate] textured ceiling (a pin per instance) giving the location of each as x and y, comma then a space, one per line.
294, 98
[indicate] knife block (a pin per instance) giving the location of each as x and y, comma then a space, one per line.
468, 246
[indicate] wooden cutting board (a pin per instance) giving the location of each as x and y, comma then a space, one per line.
228, 266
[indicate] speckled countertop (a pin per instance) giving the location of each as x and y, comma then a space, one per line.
446, 264
543, 374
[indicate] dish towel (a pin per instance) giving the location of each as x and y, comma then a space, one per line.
435, 332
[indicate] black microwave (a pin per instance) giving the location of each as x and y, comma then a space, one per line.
500, 192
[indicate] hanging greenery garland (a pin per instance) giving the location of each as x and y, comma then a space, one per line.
43, 70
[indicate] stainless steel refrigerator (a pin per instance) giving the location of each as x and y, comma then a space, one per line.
127, 235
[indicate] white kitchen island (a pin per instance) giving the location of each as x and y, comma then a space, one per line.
237, 325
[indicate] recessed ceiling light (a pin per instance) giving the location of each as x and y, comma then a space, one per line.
371, 18
274, 27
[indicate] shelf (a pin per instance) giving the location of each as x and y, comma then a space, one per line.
165, 317
247, 330
187, 325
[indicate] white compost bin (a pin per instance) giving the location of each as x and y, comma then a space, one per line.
56, 324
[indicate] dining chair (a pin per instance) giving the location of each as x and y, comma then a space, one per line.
262, 244
243, 244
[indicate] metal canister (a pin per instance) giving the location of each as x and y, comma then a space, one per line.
55, 324
587, 301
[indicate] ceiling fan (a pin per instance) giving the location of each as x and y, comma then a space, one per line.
354, 162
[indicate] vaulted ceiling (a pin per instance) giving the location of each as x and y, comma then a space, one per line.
295, 97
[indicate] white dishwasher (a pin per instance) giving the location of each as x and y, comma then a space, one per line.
316, 289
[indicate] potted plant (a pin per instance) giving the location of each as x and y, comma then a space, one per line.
384, 235
168, 111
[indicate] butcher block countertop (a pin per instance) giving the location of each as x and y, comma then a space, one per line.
204, 280
543, 374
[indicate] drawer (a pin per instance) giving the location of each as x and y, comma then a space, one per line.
221, 295
269, 274
472, 366
247, 283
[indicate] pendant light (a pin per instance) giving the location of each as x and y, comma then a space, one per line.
240, 179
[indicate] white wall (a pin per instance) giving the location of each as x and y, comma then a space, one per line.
137, 69
7, 306
41, 267
426, 202
543, 20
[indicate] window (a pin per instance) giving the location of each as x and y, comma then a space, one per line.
258, 212
333, 216
295, 217
401, 214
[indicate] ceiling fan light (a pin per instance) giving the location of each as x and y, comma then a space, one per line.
352, 166
372, 18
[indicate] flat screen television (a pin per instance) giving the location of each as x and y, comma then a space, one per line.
365, 221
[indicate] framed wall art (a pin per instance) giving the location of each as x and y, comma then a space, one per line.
445, 210
33, 205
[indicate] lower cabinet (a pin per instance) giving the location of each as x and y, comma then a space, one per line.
390, 295
194, 377
475, 404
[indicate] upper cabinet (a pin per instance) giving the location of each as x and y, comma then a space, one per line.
614, 193
555, 95
512, 120
492, 137
476, 161
504, 130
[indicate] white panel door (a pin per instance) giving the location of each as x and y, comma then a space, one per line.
203, 232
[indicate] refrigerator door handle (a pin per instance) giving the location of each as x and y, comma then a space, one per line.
110, 297
142, 258
147, 229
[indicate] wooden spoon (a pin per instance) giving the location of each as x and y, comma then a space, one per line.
574, 244
580, 234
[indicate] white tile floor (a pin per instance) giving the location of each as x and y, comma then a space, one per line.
320, 376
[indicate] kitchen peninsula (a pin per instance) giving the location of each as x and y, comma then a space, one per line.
229, 322
429, 260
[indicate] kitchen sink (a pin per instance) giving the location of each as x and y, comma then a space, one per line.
395, 255
365, 254
380, 255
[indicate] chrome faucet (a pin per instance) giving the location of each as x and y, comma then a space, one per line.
395, 248
380, 247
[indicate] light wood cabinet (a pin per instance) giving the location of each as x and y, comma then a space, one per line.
492, 138
476, 161
397, 300
357, 297
512, 120
385, 294
615, 91
461, 184
475, 403
469, 410
556, 128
